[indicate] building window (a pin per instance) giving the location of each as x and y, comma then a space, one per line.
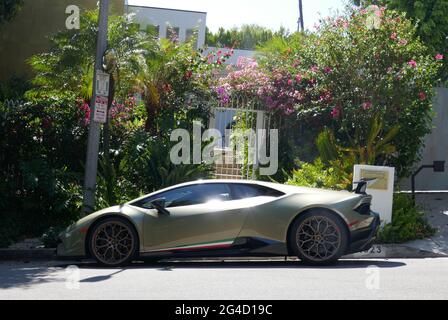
192, 35
172, 33
153, 30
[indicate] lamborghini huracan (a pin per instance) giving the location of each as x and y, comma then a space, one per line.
227, 218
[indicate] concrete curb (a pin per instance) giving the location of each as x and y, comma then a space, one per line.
27, 254
378, 251
394, 251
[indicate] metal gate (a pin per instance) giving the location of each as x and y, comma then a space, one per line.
240, 113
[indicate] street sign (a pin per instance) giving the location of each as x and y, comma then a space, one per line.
100, 113
102, 83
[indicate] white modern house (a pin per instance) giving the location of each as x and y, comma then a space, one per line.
170, 23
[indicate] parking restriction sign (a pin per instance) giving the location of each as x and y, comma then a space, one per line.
100, 113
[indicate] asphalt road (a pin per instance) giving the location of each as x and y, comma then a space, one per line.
350, 279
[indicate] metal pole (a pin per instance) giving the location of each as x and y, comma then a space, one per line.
94, 127
300, 25
413, 179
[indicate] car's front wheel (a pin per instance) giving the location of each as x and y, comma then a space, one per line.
113, 242
318, 237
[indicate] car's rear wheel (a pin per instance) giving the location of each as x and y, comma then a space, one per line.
113, 242
318, 237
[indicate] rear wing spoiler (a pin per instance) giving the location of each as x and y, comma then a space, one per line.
361, 185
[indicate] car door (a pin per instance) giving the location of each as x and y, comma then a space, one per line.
201, 216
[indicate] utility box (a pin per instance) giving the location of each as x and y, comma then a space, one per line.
381, 188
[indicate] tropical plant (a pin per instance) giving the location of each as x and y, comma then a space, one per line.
174, 83
372, 149
318, 175
68, 67
146, 163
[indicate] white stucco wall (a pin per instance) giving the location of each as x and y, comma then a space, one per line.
436, 148
164, 18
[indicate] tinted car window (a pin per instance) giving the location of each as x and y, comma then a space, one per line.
243, 191
190, 195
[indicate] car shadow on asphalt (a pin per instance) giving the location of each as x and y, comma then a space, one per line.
26, 275
235, 264
169, 265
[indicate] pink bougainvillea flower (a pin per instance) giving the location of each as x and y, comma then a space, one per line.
367, 105
298, 78
85, 111
327, 69
393, 36
403, 42
336, 112
221, 90
314, 68
422, 96
288, 111
313, 81
290, 82
439, 56
167, 87
412, 64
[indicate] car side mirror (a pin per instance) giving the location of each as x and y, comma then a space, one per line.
159, 205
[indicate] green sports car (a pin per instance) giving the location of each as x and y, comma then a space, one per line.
222, 218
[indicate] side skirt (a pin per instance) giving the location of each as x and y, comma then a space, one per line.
244, 246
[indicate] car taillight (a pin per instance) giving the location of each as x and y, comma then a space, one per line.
363, 208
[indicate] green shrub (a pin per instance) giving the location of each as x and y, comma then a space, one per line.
408, 222
147, 166
318, 175
50, 237
8, 230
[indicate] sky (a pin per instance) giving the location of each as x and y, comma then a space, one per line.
268, 13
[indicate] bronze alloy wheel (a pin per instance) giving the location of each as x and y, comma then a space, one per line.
113, 242
318, 238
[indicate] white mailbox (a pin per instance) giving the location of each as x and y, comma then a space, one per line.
381, 188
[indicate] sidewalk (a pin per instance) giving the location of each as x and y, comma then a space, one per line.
436, 209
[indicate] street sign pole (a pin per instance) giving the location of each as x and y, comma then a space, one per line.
95, 126
300, 24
